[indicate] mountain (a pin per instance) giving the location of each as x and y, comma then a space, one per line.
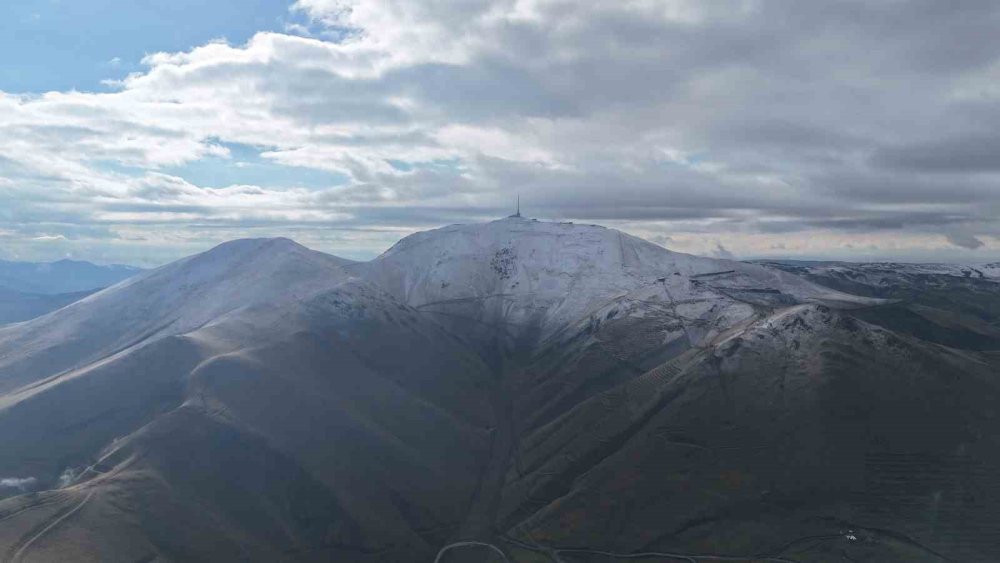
172, 300
195, 407
535, 278
62, 277
953, 305
548, 391
887, 274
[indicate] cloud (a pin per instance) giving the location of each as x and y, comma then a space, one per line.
965, 241
970, 153
662, 240
722, 252
21, 484
698, 118
67, 477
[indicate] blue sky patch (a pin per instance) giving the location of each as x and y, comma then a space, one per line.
48, 45
245, 166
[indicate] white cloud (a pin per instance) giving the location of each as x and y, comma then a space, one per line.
721, 252
713, 117
21, 484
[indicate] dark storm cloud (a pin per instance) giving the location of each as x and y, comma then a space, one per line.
965, 241
488, 90
964, 155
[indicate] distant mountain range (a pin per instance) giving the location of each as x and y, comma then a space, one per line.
64, 276
544, 391
16, 306
30, 289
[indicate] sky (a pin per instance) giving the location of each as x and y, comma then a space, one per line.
139, 132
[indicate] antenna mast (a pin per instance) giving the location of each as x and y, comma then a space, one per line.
517, 212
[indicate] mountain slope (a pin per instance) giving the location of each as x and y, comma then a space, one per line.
803, 425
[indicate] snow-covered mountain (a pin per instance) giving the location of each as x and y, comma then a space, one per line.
171, 300
531, 275
528, 385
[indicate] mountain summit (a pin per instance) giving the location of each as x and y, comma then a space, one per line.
528, 275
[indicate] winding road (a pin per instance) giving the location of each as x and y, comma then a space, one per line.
16, 557
451, 546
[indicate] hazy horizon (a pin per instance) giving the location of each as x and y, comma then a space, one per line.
720, 252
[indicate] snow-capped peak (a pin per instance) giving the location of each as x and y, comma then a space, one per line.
519, 271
